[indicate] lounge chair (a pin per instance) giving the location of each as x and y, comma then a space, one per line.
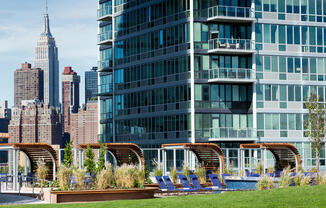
185, 183
194, 180
254, 175
270, 174
311, 174
293, 174
161, 183
170, 185
215, 181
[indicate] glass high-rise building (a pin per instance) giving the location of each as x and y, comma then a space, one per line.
226, 71
91, 84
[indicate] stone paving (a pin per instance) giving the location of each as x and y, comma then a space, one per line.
6, 199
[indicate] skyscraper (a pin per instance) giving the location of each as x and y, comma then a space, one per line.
70, 96
91, 85
227, 72
28, 84
46, 58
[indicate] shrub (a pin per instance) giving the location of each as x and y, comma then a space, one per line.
63, 177
285, 179
305, 181
89, 161
129, 176
321, 179
174, 174
297, 179
104, 178
4, 169
270, 169
300, 169
228, 171
101, 160
41, 171
186, 170
68, 158
265, 182
201, 174
79, 175
147, 174
260, 168
314, 170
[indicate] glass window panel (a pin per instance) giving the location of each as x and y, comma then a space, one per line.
290, 34
290, 93
275, 121
267, 63
260, 121
198, 92
274, 64
273, 33
267, 33
298, 122
282, 64
214, 92
283, 119
275, 93
297, 93
268, 121
290, 65
258, 30
281, 34
291, 122
267, 92
235, 93
281, 5
312, 35
297, 65
282, 92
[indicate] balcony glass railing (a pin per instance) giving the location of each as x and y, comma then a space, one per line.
232, 73
231, 44
230, 11
227, 132
105, 11
106, 36
106, 88
104, 64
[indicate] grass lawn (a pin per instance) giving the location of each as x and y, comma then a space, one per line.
289, 197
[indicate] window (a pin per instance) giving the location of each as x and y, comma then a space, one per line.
290, 34
283, 121
268, 92
267, 33
281, 5
281, 34
290, 65
258, 28
297, 93
296, 34
290, 93
291, 123
273, 33
267, 63
275, 121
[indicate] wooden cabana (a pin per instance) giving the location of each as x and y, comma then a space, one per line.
34, 152
208, 154
128, 153
284, 154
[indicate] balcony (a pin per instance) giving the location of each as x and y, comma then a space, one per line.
105, 65
106, 89
105, 38
231, 14
231, 46
104, 14
229, 133
231, 75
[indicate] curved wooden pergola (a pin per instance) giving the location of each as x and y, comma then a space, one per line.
35, 152
128, 153
285, 154
208, 154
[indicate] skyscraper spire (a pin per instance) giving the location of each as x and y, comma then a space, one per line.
46, 26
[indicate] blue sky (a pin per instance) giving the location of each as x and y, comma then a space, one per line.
73, 24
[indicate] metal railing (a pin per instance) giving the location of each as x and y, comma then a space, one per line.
105, 36
104, 64
231, 11
232, 73
107, 10
228, 132
231, 44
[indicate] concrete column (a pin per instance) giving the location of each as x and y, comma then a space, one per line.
10, 161
25, 164
59, 157
265, 160
164, 162
175, 158
75, 156
15, 169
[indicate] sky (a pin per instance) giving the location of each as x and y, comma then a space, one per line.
72, 23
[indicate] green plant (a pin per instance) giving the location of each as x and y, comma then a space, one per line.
129, 176
89, 160
270, 169
63, 177
4, 169
314, 170
297, 179
174, 174
68, 157
186, 170
305, 181
101, 159
315, 126
260, 168
228, 171
265, 182
299, 168
104, 178
201, 174
41, 171
147, 173
158, 168
79, 175
285, 179
321, 179
54, 184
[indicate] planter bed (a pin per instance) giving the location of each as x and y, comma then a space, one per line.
101, 195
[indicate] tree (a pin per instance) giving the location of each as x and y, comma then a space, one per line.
89, 161
68, 158
315, 126
101, 159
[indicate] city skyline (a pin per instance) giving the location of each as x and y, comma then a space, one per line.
18, 38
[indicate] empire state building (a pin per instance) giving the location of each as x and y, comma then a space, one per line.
46, 58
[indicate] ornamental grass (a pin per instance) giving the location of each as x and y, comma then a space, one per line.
104, 178
265, 182
63, 177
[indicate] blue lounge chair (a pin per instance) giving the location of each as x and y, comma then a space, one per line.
254, 175
311, 174
270, 174
278, 173
194, 180
170, 185
161, 183
215, 181
72, 180
293, 174
185, 183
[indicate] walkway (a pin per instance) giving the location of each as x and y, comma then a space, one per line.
6, 199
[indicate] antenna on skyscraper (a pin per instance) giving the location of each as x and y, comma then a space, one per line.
46, 6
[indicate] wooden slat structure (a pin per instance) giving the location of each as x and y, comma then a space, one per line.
128, 153
285, 154
36, 152
208, 154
